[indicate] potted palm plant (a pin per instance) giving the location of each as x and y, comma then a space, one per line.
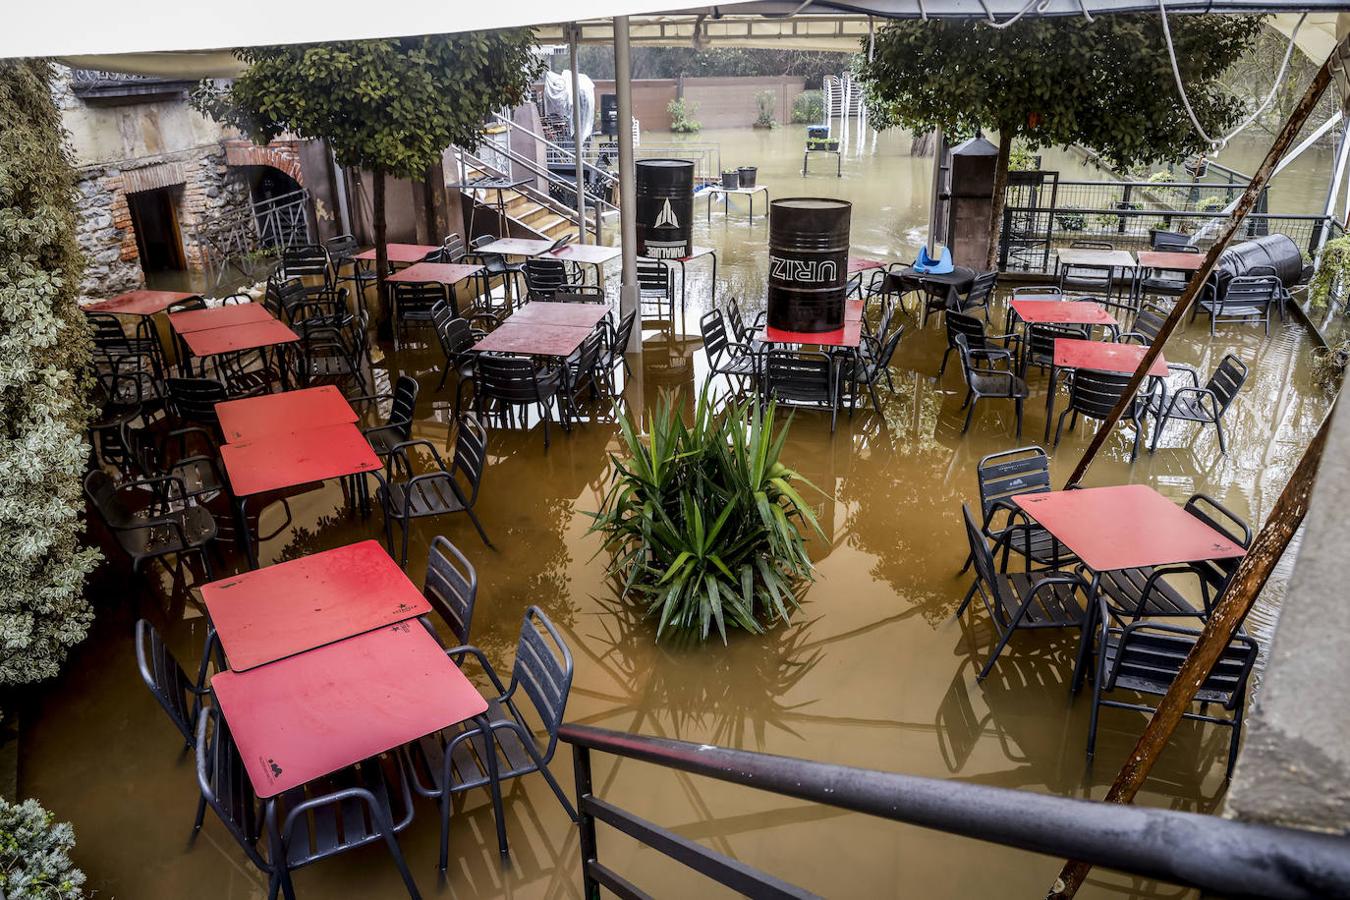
704, 522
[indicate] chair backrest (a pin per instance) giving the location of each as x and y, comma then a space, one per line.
1227, 380
451, 587
543, 670
980, 291
619, 337
452, 248
588, 354
305, 259
797, 375
1218, 572
236, 300
195, 399
190, 303
341, 247
544, 276
417, 300
1252, 290
508, 378
456, 336
168, 682
1041, 339
1148, 323
887, 352
968, 326
108, 334
735, 319
1170, 241
654, 278
982, 559
1037, 290
1094, 393
1003, 475
225, 785
578, 293
1092, 245
405, 401
471, 454
714, 330
101, 490
283, 295
1150, 655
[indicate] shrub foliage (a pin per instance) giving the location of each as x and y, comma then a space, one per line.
44, 355
35, 855
704, 522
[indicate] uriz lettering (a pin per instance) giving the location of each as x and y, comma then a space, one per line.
811, 271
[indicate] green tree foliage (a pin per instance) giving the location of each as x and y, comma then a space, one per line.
1106, 84
44, 355
35, 855
391, 106
597, 61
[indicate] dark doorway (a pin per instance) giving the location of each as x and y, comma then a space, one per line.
267, 183
155, 219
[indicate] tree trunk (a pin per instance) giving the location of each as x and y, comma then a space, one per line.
385, 331
1005, 139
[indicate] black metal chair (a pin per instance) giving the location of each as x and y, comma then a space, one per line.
734, 361
334, 355
413, 303
406, 495
151, 450
465, 756
581, 370
1002, 476
180, 697
743, 333
353, 808
457, 337
1148, 322
1171, 241
1093, 394
1029, 600
1142, 593
1194, 403
513, 381
977, 296
656, 290
872, 364
1146, 657
1163, 282
342, 251
982, 382
613, 356
495, 266
800, 378
397, 427
193, 400
167, 525
544, 276
1039, 347
1247, 298
306, 260
981, 346
451, 587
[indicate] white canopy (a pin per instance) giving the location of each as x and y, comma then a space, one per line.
79, 28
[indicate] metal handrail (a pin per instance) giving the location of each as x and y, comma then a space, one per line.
567, 154
1216, 855
542, 172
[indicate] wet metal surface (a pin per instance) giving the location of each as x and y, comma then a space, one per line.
873, 670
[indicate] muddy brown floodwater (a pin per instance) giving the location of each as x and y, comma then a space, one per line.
873, 670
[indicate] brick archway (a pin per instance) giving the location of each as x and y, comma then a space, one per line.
282, 155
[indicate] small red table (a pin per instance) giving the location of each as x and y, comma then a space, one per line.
434, 273
278, 611
400, 253
1062, 312
534, 339
234, 338
514, 247
220, 317
576, 315
858, 264
251, 418
1099, 355
1171, 262
290, 459
140, 303
321, 711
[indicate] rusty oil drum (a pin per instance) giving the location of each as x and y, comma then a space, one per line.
665, 208
808, 263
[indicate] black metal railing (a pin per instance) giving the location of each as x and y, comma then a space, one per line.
93, 85
1216, 855
269, 225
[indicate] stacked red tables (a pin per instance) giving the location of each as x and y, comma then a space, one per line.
220, 317
1127, 526
251, 418
545, 329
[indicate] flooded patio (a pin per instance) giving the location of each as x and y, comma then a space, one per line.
873, 671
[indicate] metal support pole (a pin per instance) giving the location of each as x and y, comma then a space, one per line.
934, 203
623, 92
573, 33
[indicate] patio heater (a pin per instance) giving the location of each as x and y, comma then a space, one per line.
808, 263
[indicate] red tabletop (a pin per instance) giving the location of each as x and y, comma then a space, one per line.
140, 303
577, 315
696, 252
534, 339
853, 311
272, 613
848, 336
1104, 357
401, 253
220, 317
310, 715
249, 336
1125, 527
1174, 262
288, 459
1062, 312
253, 417
514, 247
587, 254
435, 273
860, 264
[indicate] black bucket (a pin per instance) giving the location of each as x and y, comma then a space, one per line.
665, 208
731, 179
808, 263
748, 175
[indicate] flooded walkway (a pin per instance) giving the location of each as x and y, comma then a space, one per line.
873, 671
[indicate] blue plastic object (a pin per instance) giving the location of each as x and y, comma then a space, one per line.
926, 265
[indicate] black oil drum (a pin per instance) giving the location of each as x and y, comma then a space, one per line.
665, 208
808, 263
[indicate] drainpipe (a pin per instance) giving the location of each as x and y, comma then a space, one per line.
623, 92
573, 33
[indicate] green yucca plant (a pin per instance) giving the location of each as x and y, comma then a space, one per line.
703, 521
